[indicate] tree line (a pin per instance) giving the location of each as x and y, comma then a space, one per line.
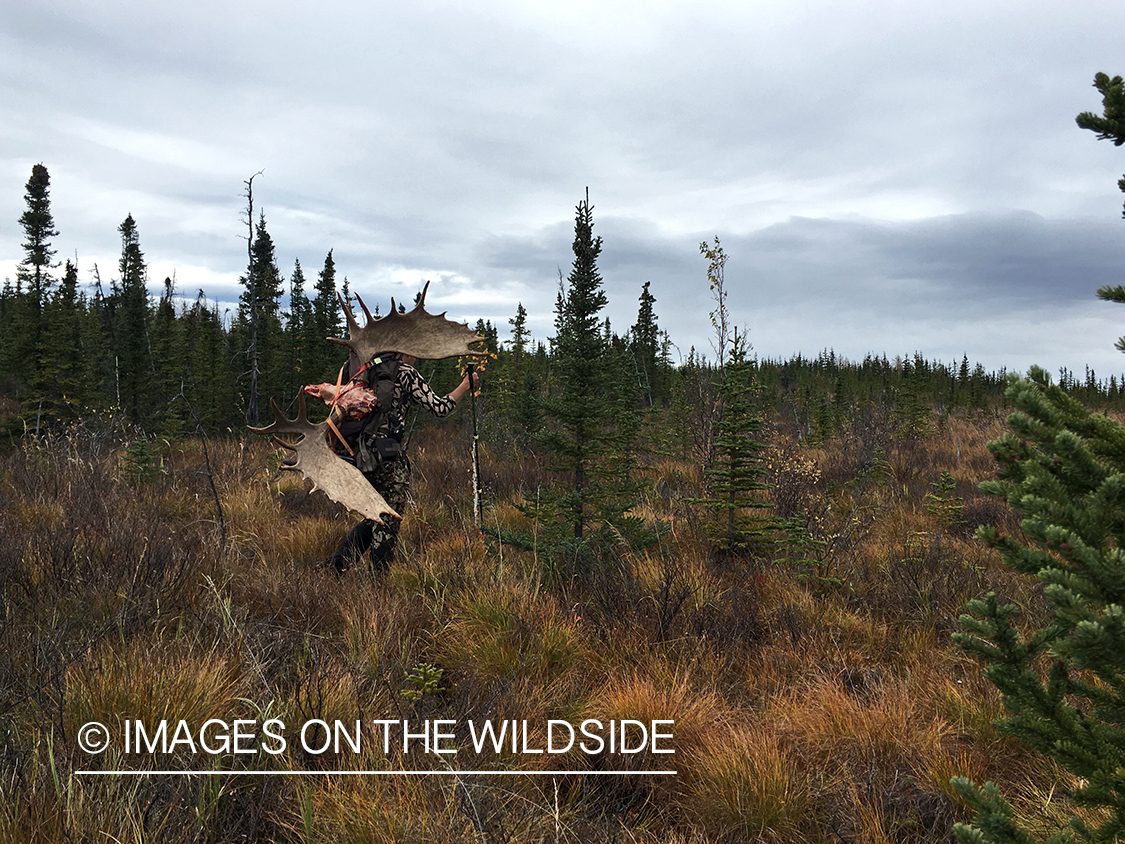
170, 364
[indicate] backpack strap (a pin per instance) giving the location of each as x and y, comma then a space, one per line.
332, 409
382, 379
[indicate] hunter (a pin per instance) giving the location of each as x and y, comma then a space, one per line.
372, 403
357, 455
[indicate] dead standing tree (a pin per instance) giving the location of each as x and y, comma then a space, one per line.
252, 301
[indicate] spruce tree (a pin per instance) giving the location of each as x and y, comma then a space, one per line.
517, 347
99, 346
621, 481
324, 357
211, 379
520, 333
33, 282
9, 342
63, 378
298, 354
732, 453
491, 335
34, 271
520, 386
527, 414
911, 408
169, 359
260, 307
516, 392
646, 345
1063, 684
579, 403
132, 346
737, 527
1110, 125
962, 390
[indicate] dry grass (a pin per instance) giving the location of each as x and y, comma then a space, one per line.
746, 786
805, 710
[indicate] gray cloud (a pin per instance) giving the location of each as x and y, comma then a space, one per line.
945, 286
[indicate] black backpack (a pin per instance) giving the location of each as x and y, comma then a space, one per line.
362, 435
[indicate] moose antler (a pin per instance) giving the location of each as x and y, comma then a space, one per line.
340, 480
418, 333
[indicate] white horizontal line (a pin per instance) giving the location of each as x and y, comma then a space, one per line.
375, 773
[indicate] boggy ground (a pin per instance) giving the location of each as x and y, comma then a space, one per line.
815, 692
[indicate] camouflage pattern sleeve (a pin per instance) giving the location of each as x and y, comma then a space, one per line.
419, 392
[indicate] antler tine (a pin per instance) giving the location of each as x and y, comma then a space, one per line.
366, 312
352, 324
281, 425
394, 307
278, 441
422, 298
278, 417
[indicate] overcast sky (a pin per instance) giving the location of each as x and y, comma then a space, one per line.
885, 177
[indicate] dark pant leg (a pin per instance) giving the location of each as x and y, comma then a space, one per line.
392, 481
354, 546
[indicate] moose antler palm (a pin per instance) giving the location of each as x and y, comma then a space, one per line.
340, 480
417, 333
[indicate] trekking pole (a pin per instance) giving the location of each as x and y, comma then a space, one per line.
476, 455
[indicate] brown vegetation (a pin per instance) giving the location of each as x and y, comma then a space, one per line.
816, 696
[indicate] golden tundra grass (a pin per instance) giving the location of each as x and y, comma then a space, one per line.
805, 711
